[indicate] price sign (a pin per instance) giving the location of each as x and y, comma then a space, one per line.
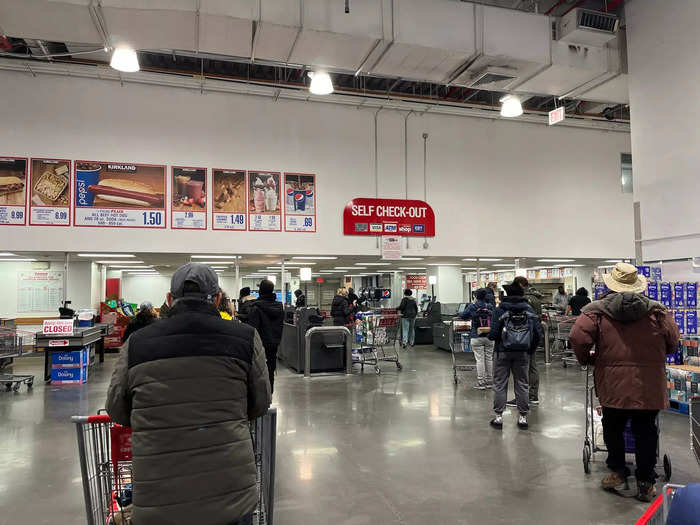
228, 200
189, 198
13, 191
300, 199
49, 192
63, 327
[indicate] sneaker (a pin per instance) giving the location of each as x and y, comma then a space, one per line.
512, 403
497, 422
614, 482
522, 421
646, 491
534, 401
479, 386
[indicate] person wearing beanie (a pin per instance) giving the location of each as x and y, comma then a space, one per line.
516, 331
188, 387
244, 300
266, 315
480, 313
300, 299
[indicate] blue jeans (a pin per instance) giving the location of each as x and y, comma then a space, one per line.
408, 331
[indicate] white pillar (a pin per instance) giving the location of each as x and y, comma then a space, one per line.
448, 288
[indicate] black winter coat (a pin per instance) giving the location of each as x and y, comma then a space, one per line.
138, 322
266, 315
516, 303
340, 310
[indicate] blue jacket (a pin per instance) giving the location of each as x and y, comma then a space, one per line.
516, 303
471, 309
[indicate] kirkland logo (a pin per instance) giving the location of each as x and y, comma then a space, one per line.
361, 227
405, 228
419, 228
390, 228
375, 228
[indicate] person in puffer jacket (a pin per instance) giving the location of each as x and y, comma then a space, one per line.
188, 386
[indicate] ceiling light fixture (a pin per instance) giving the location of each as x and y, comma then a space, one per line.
7, 254
443, 264
124, 59
489, 260
556, 260
215, 256
118, 262
511, 106
411, 259
504, 265
611, 261
350, 267
321, 83
468, 268
470, 259
18, 260
410, 268
106, 255
215, 262
325, 258
373, 264
126, 267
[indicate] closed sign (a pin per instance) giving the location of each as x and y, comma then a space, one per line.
58, 327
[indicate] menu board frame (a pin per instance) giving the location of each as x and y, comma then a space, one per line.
171, 193
212, 200
166, 196
26, 192
69, 189
314, 194
251, 213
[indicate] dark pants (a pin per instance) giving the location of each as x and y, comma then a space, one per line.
503, 364
245, 520
271, 359
534, 379
645, 441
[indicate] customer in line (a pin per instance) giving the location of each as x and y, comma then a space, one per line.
481, 313
560, 300
188, 386
244, 300
266, 315
164, 310
341, 308
577, 302
627, 336
534, 299
517, 332
408, 309
300, 299
224, 308
352, 296
142, 319
491, 293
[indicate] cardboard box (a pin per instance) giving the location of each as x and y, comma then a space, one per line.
69, 376
75, 359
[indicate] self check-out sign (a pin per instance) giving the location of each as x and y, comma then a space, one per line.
395, 216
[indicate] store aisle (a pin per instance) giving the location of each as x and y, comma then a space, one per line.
404, 448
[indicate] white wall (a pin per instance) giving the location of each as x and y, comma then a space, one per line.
140, 288
480, 171
663, 42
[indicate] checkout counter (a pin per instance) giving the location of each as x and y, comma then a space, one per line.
327, 349
448, 329
425, 323
91, 337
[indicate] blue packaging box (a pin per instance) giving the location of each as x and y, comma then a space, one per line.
69, 376
75, 359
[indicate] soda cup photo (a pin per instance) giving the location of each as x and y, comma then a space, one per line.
86, 174
299, 200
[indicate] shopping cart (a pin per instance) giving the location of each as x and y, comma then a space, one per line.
561, 326
462, 357
105, 465
591, 442
11, 346
375, 340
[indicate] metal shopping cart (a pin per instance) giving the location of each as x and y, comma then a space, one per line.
11, 346
560, 326
105, 465
375, 337
592, 442
460, 349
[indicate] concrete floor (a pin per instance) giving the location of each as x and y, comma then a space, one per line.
404, 447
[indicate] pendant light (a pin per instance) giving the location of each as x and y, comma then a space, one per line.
511, 107
321, 83
124, 59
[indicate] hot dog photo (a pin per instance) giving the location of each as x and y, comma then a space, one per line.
119, 185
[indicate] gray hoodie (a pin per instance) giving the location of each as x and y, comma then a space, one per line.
625, 307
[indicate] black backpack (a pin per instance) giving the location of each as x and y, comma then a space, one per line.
518, 333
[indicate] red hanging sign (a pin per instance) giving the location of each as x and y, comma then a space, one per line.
408, 218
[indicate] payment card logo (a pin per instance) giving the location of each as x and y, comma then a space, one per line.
361, 227
405, 228
375, 228
419, 228
390, 228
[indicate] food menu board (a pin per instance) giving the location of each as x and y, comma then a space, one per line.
39, 291
119, 195
189, 198
228, 198
264, 207
13, 191
299, 202
49, 194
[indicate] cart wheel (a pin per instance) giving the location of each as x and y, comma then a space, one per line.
399, 365
377, 370
8, 387
563, 364
667, 467
30, 384
15, 387
587, 458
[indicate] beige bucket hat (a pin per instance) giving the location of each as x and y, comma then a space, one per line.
624, 278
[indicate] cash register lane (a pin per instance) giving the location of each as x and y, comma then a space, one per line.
89, 338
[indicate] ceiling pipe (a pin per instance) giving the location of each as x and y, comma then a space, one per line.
405, 156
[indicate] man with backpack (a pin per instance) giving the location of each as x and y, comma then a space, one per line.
480, 313
409, 311
517, 331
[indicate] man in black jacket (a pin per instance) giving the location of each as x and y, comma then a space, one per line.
188, 385
517, 331
409, 311
266, 315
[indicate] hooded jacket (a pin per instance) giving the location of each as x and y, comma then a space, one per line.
514, 303
470, 312
408, 307
266, 315
534, 299
340, 310
188, 385
244, 304
631, 335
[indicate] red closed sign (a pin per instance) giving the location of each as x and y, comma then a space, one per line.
57, 327
417, 281
408, 218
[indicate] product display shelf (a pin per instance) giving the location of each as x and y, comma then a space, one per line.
679, 407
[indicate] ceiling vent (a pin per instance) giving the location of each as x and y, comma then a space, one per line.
492, 79
587, 27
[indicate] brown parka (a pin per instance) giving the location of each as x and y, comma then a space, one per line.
630, 336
